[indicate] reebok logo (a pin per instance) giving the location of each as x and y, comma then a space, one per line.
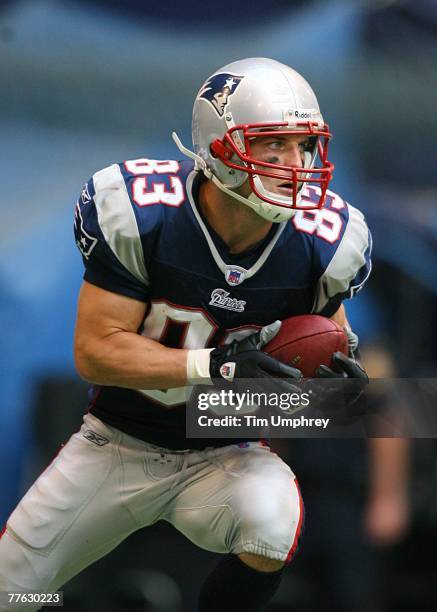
95, 438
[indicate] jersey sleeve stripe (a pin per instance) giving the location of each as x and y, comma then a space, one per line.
350, 266
117, 221
359, 285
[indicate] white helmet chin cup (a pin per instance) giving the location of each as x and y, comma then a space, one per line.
270, 212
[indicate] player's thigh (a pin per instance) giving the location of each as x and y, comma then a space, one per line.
71, 516
247, 500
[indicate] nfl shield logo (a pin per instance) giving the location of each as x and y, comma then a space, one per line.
235, 276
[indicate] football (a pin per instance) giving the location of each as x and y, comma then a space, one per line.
307, 341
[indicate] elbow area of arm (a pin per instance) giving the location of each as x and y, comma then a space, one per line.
87, 366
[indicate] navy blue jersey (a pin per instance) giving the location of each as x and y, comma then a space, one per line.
142, 235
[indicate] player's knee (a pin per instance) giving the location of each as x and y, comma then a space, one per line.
261, 563
270, 520
268, 523
273, 525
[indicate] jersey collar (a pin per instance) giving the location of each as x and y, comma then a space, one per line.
234, 274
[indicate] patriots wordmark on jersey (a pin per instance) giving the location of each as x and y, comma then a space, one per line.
141, 234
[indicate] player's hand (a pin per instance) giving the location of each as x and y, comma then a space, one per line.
347, 368
245, 359
343, 402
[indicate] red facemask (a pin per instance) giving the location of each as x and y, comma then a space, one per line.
226, 150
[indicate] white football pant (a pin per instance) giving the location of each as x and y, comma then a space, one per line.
105, 484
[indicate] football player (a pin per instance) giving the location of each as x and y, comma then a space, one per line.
189, 267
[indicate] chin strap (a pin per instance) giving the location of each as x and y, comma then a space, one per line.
200, 162
253, 201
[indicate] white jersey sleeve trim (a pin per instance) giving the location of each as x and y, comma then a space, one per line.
348, 259
117, 221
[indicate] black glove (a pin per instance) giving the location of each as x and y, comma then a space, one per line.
244, 359
347, 368
343, 402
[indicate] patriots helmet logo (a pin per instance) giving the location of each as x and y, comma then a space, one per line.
218, 89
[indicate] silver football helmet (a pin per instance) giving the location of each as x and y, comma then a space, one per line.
252, 98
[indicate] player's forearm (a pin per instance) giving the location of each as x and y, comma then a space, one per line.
125, 359
340, 316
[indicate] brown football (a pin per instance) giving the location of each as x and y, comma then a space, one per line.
307, 341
